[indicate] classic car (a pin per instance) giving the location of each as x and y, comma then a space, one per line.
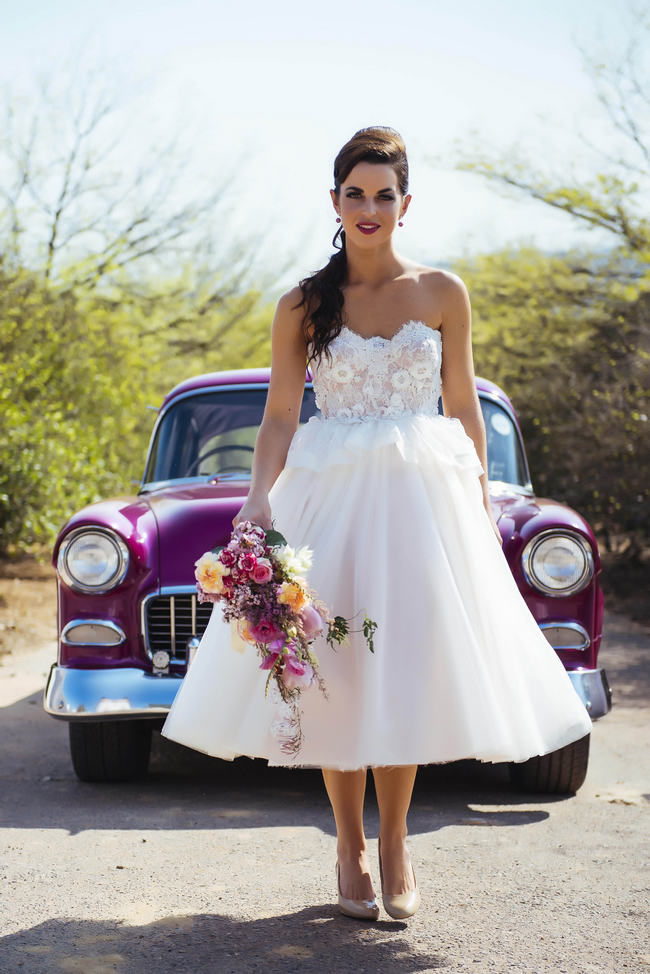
129, 621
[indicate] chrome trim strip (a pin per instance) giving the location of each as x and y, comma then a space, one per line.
529, 551
102, 623
107, 694
58, 616
574, 627
593, 689
172, 626
194, 614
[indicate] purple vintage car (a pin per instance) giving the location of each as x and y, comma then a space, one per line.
129, 621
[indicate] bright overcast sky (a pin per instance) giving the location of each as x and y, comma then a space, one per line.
283, 85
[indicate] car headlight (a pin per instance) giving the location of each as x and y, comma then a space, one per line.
558, 562
93, 560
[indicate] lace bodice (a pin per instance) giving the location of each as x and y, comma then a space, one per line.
372, 377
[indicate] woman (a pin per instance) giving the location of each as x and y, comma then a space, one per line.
392, 497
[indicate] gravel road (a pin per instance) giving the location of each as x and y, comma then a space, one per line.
229, 867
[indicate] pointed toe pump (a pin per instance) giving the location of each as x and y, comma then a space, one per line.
360, 909
399, 905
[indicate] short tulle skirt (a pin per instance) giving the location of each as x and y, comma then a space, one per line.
392, 509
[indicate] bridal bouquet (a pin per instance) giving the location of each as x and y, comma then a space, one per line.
260, 582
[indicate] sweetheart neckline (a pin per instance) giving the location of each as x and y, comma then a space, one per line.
374, 338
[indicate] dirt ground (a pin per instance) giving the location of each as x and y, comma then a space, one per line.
212, 866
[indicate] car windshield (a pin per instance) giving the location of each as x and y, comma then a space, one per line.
212, 433
207, 434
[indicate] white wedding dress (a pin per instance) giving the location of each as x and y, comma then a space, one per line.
385, 491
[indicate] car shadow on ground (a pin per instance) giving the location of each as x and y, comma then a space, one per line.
186, 789
317, 938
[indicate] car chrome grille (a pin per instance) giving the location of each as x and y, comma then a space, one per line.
170, 619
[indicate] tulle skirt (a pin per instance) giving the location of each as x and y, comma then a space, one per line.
392, 509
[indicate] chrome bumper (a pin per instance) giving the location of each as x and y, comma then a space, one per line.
593, 689
107, 694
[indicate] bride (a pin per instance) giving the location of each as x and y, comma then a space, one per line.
392, 497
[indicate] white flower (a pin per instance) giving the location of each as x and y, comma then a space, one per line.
401, 379
342, 372
297, 561
396, 401
421, 370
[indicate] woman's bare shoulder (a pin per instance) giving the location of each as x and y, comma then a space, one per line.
437, 278
290, 313
289, 304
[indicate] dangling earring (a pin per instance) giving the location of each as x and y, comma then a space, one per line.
338, 219
401, 224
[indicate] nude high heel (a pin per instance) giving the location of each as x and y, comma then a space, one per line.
359, 909
399, 905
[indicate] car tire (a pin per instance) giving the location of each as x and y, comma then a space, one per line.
110, 750
560, 772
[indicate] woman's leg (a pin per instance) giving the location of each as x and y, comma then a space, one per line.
346, 791
394, 788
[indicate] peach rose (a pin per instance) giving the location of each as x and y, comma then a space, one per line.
209, 572
292, 595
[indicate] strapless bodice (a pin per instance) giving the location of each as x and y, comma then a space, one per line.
374, 377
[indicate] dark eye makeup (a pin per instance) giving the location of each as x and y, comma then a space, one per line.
355, 192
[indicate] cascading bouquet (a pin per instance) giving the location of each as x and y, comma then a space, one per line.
260, 582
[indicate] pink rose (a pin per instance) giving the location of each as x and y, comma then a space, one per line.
263, 571
312, 621
265, 631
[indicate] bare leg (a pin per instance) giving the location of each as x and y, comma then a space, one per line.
346, 791
394, 788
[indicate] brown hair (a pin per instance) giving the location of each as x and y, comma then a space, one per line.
321, 292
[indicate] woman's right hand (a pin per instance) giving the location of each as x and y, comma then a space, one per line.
256, 509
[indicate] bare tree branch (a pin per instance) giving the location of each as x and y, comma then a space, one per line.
82, 206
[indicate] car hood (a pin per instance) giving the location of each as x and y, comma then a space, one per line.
520, 516
192, 519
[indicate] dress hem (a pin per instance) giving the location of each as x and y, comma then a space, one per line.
483, 759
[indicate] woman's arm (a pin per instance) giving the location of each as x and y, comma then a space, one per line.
282, 411
459, 395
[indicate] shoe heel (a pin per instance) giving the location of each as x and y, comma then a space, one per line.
399, 906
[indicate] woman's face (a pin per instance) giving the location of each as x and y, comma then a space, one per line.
370, 203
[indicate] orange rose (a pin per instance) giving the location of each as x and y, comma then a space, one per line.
292, 595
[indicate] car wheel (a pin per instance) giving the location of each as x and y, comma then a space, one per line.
111, 750
559, 772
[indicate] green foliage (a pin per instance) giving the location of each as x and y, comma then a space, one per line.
77, 371
568, 338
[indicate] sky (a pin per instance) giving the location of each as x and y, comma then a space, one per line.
265, 94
